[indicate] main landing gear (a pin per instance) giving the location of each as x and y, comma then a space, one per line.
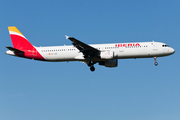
92, 68
155, 61
91, 65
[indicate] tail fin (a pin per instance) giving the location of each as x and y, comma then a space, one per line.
18, 40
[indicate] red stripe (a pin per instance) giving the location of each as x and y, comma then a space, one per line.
23, 44
34, 54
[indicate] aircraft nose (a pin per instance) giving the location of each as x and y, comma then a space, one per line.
172, 51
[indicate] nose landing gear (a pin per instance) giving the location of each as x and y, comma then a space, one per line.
155, 61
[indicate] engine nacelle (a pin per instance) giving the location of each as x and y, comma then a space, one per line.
107, 55
109, 63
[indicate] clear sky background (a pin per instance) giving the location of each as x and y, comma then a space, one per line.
135, 90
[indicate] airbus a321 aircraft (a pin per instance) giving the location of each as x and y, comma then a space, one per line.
104, 54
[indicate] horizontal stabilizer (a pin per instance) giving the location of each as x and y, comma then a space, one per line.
15, 50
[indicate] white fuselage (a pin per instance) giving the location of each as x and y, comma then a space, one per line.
105, 54
120, 51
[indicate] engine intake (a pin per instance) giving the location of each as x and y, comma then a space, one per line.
107, 55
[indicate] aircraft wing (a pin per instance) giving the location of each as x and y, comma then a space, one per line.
82, 47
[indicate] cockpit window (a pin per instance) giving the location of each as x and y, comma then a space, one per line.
165, 46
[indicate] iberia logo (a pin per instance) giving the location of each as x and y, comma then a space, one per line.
127, 45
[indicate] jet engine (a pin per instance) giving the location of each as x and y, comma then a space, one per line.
109, 63
107, 55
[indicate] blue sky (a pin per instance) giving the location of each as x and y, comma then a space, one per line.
135, 90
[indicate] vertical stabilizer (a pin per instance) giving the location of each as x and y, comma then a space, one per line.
21, 46
18, 39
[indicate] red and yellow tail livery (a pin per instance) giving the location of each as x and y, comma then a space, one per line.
21, 46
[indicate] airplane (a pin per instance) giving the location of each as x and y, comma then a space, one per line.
104, 54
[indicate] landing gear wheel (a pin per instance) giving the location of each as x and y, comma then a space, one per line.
92, 68
155, 63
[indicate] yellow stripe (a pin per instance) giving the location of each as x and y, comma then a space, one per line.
14, 29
